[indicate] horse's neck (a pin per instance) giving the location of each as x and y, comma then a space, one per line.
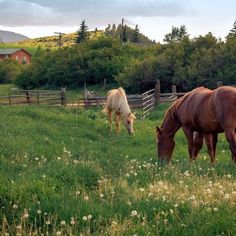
170, 124
125, 110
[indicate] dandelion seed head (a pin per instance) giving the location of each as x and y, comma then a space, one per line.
134, 213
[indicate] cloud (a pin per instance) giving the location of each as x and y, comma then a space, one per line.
72, 12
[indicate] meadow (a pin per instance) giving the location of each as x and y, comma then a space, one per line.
63, 173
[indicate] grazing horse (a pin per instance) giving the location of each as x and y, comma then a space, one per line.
202, 113
117, 102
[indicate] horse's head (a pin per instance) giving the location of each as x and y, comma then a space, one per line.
165, 145
129, 122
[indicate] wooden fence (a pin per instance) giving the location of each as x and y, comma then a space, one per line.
148, 102
34, 97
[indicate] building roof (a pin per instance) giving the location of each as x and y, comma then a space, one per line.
9, 51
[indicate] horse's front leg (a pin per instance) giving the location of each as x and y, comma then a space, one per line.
117, 119
109, 112
230, 136
189, 135
197, 144
211, 141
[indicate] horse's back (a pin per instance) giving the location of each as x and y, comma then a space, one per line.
209, 110
115, 99
196, 110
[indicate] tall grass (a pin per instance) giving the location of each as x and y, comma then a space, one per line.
63, 173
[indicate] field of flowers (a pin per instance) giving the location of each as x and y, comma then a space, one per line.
63, 173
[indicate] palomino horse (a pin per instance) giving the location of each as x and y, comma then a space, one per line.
117, 102
202, 113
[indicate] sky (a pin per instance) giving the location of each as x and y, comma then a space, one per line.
155, 18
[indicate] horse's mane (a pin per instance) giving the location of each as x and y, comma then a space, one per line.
122, 91
171, 112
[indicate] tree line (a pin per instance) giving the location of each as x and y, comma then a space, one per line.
181, 60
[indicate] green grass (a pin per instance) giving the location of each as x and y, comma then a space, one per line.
63, 173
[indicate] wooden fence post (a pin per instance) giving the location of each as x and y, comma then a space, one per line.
63, 96
9, 97
173, 87
157, 91
38, 97
27, 97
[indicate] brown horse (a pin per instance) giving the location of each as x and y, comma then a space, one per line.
202, 113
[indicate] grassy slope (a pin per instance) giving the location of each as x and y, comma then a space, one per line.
56, 164
30, 48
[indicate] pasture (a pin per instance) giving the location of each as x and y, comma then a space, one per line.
63, 173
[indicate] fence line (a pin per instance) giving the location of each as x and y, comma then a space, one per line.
34, 97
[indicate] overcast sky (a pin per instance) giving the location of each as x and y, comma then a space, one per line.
35, 18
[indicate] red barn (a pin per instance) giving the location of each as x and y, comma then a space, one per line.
18, 54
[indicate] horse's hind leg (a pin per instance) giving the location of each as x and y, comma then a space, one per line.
211, 140
230, 136
197, 144
117, 119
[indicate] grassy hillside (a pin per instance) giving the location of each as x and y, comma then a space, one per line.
30, 48
63, 173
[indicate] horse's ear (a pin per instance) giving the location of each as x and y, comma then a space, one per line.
133, 115
158, 130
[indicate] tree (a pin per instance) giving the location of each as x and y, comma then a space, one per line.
82, 34
135, 35
124, 34
108, 30
232, 32
176, 34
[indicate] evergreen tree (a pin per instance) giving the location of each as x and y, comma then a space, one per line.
135, 35
232, 32
176, 34
124, 34
108, 30
82, 34
113, 30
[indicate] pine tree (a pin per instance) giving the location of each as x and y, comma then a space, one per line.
108, 30
124, 34
82, 34
177, 34
113, 30
232, 32
135, 35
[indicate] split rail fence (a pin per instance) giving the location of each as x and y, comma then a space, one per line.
34, 97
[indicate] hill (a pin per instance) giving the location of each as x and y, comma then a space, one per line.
11, 37
68, 39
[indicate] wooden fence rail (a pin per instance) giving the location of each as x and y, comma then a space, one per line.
34, 97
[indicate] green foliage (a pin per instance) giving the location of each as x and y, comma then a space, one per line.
9, 70
82, 34
232, 33
89, 62
176, 34
135, 36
